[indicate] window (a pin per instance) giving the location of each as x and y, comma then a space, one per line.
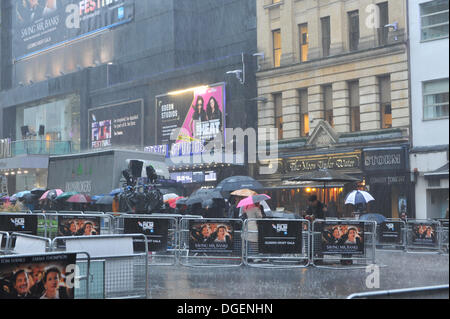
304, 42
326, 36
327, 91
384, 20
278, 104
304, 117
355, 122
276, 48
353, 23
435, 99
434, 20
385, 101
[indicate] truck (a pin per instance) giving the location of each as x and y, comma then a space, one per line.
100, 172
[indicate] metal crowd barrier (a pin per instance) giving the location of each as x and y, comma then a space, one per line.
444, 236
28, 244
73, 280
276, 243
424, 236
431, 292
391, 235
4, 242
197, 250
117, 271
161, 232
339, 251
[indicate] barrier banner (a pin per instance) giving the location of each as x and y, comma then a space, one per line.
424, 234
156, 231
390, 232
19, 224
284, 237
38, 277
78, 226
211, 236
343, 237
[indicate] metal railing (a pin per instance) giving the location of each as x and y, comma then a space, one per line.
430, 292
43, 147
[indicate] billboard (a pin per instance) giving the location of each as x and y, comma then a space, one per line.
343, 237
424, 234
78, 226
199, 113
211, 237
41, 24
116, 125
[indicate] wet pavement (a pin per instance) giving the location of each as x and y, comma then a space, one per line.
397, 270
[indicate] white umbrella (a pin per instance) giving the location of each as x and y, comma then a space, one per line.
358, 197
170, 196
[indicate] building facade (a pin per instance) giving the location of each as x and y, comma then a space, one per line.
334, 82
99, 84
428, 28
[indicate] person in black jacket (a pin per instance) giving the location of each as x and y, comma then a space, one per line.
315, 208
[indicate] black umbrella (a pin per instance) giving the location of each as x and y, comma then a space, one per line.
234, 183
29, 198
202, 195
39, 191
105, 200
324, 175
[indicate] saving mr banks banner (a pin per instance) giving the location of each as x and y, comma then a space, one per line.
210, 237
116, 125
279, 237
343, 238
156, 231
40, 24
19, 224
424, 234
82, 226
38, 277
198, 114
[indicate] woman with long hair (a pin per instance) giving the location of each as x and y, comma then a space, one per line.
199, 113
213, 112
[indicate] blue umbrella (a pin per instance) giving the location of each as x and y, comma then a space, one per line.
97, 197
21, 194
376, 217
116, 191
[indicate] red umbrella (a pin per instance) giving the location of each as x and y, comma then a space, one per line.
79, 198
56, 191
251, 200
173, 202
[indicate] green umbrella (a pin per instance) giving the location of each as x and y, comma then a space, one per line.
66, 195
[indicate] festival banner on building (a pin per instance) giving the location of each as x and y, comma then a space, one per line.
42, 24
343, 237
156, 230
284, 237
49, 276
211, 237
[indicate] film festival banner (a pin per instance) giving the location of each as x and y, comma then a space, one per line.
19, 224
424, 234
198, 112
41, 24
390, 232
116, 125
156, 231
279, 237
78, 226
38, 277
210, 236
343, 238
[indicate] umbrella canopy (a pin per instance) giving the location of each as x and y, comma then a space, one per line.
251, 200
244, 192
38, 191
21, 194
79, 198
358, 197
105, 200
324, 175
166, 197
51, 194
116, 191
376, 217
173, 202
201, 195
181, 201
234, 183
66, 195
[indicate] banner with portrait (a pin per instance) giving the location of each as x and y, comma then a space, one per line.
390, 232
156, 230
339, 237
116, 125
424, 234
78, 226
24, 224
41, 24
284, 237
198, 113
38, 277
211, 236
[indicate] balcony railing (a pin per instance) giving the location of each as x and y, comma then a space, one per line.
42, 147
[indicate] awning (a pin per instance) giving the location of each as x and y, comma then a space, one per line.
440, 172
294, 185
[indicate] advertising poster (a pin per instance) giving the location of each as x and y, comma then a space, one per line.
343, 238
41, 24
19, 224
279, 237
38, 277
390, 232
78, 226
424, 234
198, 112
156, 231
211, 237
116, 125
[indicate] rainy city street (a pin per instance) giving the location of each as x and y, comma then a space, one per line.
397, 270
